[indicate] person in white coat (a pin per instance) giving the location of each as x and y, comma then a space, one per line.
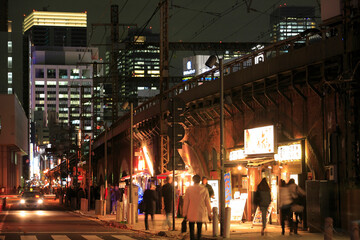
197, 207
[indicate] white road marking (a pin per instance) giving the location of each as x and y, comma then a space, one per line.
60, 237
28, 237
122, 237
91, 237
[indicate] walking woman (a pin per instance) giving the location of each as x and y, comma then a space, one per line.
263, 192
150, 198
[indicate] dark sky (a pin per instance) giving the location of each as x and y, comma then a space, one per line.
189, 20
231, 21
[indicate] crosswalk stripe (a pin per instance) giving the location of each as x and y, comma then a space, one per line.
60, 237
29, 237
91, 237
122, 237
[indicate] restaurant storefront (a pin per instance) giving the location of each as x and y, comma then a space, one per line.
261, 157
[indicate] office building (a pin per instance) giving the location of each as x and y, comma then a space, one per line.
51, 29
139, 68
288, 21
6, 49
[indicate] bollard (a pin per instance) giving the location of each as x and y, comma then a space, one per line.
119, 211
328, 229
99, 207
227, 222
133, 213
355, 231
215, 222
129, 215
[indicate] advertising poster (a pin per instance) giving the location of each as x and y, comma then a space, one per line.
214, 200
228, 196
258, 216
237, 207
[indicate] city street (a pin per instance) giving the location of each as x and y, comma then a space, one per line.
53, 222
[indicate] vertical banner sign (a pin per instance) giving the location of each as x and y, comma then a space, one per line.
228, 197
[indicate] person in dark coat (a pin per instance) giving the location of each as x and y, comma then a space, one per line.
208, 186
150, 199
167, 194
263, 192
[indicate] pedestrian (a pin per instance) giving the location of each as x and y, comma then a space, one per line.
298, 202
210, 190
208, 186
197, 207
285, 202
150, 199
167, 196
264, 199
113, 200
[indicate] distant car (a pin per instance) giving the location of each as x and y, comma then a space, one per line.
32, 199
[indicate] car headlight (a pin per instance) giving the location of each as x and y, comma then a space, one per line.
40, 201
22, 201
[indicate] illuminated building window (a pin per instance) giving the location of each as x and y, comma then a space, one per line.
9, 46
10, 77
75, 73
51, 83
9, 62
63, 83
10, 91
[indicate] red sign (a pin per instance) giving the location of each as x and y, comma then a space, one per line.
80, 177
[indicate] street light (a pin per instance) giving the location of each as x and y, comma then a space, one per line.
210, 63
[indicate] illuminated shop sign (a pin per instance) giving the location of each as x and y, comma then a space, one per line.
189, 69
259, 140
289, 152
237, 155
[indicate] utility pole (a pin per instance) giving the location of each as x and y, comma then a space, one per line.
164, 74
113, 61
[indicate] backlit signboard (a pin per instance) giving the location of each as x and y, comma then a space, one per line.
237, 155
259, 140
215, 199
288, 152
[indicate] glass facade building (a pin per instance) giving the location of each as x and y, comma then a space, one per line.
288, 21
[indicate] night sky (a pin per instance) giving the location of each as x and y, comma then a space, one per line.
190, 20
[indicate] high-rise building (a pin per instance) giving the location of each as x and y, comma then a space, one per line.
287, 21
6, 49
139, 69
58, 79
51, 29
61, 83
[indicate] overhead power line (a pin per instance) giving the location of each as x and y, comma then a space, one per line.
214, 20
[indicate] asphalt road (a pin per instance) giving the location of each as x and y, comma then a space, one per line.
54, 222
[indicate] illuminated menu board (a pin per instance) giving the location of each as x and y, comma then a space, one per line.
259, 140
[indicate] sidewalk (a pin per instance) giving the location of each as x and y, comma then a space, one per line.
237, 230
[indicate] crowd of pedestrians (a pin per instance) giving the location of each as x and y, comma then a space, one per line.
291, 203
